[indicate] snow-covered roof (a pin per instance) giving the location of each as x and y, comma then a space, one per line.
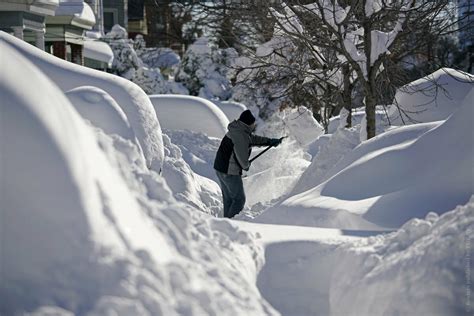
98, 50
78, 9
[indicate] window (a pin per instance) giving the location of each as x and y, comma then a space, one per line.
110, 18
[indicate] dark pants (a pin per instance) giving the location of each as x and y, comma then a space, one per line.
232, 193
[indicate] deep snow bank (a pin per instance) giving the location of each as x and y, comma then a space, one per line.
62, 204
421, 269
431, 98
187, 186
179, 112
101, 110
388, 185
88, 229
131, 98
198, 150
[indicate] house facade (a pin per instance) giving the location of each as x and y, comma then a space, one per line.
66, 29
26, 19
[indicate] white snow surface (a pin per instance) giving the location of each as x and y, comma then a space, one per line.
78, 9
197, 149
98, 50
412, 182
101, 109
89, 230
231, 109
77, 205
187, 186
419, 269
302, 125
133, 101
179, 112
431, 98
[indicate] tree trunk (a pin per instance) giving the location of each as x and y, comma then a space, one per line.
349, 119
370, 103
346, 94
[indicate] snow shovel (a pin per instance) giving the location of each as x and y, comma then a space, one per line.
266, 149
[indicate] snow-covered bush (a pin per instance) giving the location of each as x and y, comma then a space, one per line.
129, 65
161, 57
204, 70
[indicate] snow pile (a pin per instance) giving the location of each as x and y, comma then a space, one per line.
193, 189
88, 229
198, 150
190, 113
327, 150
358, 118
302, 125
78, 9
432, 98
101, 110
335, 147
78, 208
411, 180
273, 175
133, 101
422, 269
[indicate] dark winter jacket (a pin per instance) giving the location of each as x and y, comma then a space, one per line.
235, 148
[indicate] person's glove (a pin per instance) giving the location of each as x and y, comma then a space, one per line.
275, 142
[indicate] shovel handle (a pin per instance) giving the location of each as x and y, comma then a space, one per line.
266, 149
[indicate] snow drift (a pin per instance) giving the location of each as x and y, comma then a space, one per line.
190, 113
101, 110
131, 98
421, 269
64, 204
388, 180
432, 98
87, 229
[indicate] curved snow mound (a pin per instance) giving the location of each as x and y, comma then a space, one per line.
336, 147
231, 109
64, 204
178, 112
198, 150
98, 107
302, 125
187, 186
392, 178
432, 98
131, 98
86, 231
421, 269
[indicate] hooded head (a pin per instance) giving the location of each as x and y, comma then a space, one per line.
247, 117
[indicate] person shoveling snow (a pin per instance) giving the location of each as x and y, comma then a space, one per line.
233, 156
